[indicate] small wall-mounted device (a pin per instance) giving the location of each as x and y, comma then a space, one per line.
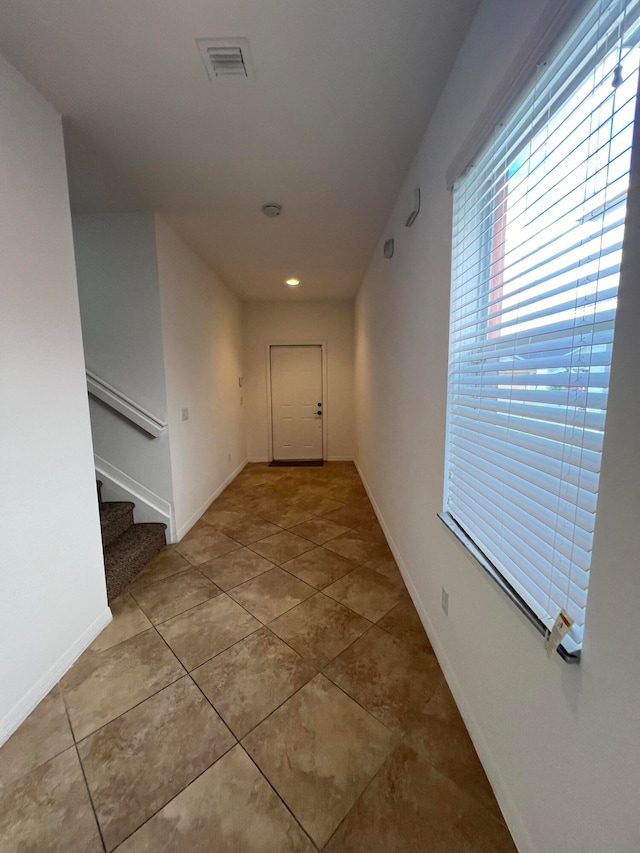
416, 208
444, 602
388, 248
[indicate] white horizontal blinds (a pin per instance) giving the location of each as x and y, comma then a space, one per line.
537, 244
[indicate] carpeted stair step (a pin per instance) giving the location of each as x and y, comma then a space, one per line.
115, 518
127, 555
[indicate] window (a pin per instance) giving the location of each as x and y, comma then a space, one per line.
538, 229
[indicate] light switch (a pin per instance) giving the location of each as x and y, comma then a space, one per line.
185, 414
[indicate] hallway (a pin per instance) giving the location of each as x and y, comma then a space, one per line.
265, 685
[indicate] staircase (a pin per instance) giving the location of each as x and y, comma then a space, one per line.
128, 547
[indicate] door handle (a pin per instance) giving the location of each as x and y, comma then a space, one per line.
318, 413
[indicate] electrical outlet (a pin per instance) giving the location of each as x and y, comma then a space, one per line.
445, 602
185, 414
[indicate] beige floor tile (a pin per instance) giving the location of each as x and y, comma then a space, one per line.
359, 546
287, 516
372, 530
168, 562
282, 547
206, 544
235, 568
322, 489
166, 598
404, 623
319, 567
102, 685
319, 750
344, 491
249, 530
206, 630
49, 810
387, 566
138, 762
248, 681
363, 502
239, 488
263, 502
44, 734
200, 528
411, 808
319, 530
225, 502
316, 503
287, 489
229, 809
350, 516
222, 516
373, 749
389, 678
128, 620
441, 736
271, 594
367, 592
319, 628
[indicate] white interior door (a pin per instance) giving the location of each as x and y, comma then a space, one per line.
296, 402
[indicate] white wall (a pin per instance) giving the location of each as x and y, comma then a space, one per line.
559, 743
202, 344
121, 325
52, 599
291, 323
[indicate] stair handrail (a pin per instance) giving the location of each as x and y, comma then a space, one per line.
115, 399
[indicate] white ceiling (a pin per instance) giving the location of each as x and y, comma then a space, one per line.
328, 125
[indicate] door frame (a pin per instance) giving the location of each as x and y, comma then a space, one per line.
323, 358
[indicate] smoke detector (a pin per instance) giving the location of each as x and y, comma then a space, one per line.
225, 58
271, 209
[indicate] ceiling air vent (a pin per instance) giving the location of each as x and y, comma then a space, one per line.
225, 57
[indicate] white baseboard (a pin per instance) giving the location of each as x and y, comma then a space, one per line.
520, 834
118, 486
186, 527
19, 713
328, 459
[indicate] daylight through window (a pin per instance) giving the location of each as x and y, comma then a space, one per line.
537, 243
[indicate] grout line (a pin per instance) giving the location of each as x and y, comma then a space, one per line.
235, 642
361, 795
86, 783
234, 744
265, 625
137, 705
132, 593
273, 710
201, 691
187, 609
181, 791
275, 791
154, 693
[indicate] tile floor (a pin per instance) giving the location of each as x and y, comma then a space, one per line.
265, 685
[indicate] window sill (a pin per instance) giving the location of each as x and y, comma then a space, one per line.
449, 522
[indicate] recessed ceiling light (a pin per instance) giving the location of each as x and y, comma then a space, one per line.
293, 282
